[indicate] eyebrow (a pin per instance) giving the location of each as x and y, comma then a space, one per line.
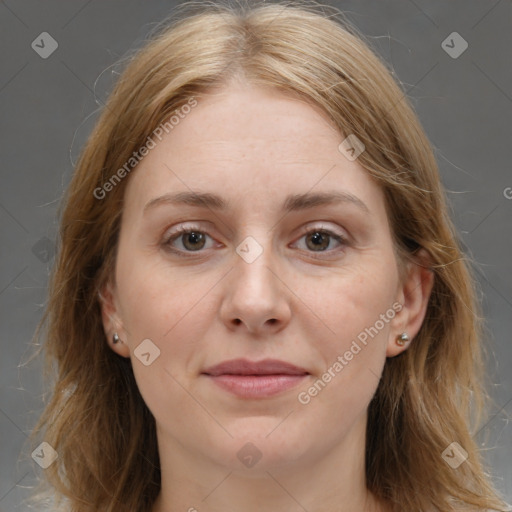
293, 202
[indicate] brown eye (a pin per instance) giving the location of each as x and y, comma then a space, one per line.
187, 240
193, 240
318, 240
322, 240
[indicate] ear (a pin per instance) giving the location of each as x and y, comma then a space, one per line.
413, 294
112, 322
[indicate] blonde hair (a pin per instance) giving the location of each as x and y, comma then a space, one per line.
97, 420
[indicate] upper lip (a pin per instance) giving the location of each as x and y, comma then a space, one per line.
246, 367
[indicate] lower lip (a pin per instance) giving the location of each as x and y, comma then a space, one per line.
256, 386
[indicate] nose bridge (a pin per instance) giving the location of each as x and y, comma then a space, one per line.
254, 296
252, 266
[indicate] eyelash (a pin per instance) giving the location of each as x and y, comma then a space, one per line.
182, 230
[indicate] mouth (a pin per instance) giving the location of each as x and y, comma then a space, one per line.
250, 379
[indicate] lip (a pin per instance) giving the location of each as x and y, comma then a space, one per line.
246, 367
255, 379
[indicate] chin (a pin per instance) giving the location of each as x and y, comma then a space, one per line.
257, 445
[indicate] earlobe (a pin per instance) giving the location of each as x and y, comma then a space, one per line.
112, 323
398, 345
414, 296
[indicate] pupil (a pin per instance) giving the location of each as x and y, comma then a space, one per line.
192, 238
319, 240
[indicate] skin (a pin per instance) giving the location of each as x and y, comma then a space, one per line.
253, 146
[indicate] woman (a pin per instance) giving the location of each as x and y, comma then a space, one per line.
259, 301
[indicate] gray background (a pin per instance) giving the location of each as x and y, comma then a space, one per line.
48, 106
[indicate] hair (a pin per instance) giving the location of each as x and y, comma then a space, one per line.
428, 397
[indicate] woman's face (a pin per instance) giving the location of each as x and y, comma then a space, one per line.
290, 259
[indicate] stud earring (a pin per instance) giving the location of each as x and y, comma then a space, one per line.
402, 339
115, 338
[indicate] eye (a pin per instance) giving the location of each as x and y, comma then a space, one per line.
190, 239
319, 240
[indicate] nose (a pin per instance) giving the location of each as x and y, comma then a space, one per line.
255, 298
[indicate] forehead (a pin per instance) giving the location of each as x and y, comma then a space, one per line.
252, 145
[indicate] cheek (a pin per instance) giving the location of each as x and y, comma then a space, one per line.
157, 299
170, 311
352, 303
338, 395
356, 312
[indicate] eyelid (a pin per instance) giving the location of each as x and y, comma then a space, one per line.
183, 227
174, 234
323, 227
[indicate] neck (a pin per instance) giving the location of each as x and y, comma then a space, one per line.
332, 481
